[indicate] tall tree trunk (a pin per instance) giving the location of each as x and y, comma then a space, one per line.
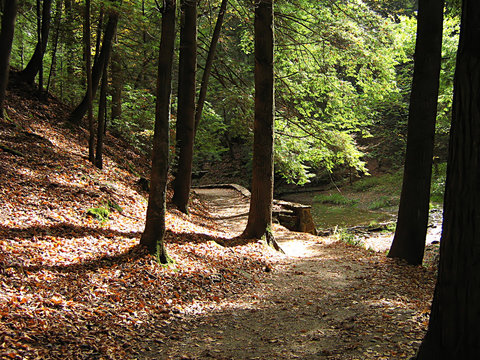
185, 127
88, 70
409, 240
154, 232
97, 69
209, 62
260, 213
35, 64
117, 84
454, 328
101, 118
6, 39
58, 19
68, 39
99, 34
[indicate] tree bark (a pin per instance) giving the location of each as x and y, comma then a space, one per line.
101, 118
97, 69
454, 328
409, 239
185, 127
209, 62
154, 232
117, 84
260, 213
6, 39
58, 19
35, 64
88, 70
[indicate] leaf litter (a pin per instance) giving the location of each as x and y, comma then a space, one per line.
74, 287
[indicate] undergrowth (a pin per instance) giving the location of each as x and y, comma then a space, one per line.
335, 199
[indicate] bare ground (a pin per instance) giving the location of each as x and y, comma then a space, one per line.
324, 299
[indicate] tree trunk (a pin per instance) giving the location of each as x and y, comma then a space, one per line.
6, 39
51, 73
35, 64
154, 232
209, 62
117, 84
454, 329
101, 118
185, 127
99, 34
260, 213
409, 240
68, 39
88, 70
97, 69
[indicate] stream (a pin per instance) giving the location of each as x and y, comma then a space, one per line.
329, 216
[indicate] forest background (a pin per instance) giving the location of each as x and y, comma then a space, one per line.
343, 73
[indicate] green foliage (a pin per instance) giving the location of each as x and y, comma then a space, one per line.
138, 117
343, 78
366, 183
451, 31
437, 189
347, 237
335, 199
335, 71
210, 136
102, 213
382, 202
390, 183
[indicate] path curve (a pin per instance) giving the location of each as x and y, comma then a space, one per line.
323, 300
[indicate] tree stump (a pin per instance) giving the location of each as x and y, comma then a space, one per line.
294, 216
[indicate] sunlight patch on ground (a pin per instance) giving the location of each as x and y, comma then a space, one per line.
296, 248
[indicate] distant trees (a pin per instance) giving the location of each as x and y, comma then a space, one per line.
98, 65
409, 240
454, 328
209, 63
260, 213
6, 38
154, 232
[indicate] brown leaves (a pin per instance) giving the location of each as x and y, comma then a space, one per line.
73, 287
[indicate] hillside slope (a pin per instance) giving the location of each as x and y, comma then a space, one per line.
74, 286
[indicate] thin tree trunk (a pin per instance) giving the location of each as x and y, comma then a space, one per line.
39, 41
209, 62
6, 39
117, 84
88, 68
102, 107
260, 213
35, 64
58, 19
68, 39
153, 236
185, 127
409, 240
454, 328
97, 69
99, 34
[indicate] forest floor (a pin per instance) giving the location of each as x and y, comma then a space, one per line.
323, 299
75, 285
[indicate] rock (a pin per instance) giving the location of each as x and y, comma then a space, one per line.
294, 216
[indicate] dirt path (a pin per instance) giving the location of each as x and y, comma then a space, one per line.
322, 300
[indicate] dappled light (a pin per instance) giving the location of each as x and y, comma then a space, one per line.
189, 180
